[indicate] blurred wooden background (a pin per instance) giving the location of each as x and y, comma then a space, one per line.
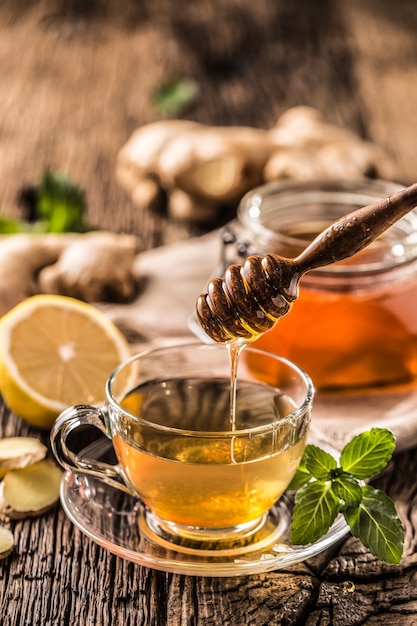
78, 77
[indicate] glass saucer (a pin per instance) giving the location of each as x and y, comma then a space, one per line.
117, 522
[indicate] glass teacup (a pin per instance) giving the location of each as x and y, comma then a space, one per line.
201, 473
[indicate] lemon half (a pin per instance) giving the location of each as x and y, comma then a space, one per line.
55, 352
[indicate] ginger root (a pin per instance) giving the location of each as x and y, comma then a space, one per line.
95, 266
308, 147
218, 164
198, 169
18, 452
214, 166
21, 258
30, 483
30, 491
6, 542
137, 161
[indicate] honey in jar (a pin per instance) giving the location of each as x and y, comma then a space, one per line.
354, 323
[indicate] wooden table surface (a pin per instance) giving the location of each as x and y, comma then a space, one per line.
76, 80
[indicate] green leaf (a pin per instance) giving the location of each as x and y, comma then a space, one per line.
347, 488
174, 97
318, 462
301, 477
376, 523
316, 507
60, 203
325, 489
368, 453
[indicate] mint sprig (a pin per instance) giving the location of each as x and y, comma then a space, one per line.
326, 488
60, 204
55, 205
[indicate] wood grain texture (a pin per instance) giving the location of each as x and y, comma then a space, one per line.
76, 80
386, 56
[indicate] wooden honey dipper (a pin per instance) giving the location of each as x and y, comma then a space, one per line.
250, 299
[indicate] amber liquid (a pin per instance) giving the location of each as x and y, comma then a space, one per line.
209, 481
352, 339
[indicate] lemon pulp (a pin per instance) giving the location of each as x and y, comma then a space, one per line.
56, 351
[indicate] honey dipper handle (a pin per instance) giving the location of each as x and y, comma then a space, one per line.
355, 231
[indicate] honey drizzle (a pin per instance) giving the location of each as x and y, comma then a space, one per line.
234, 348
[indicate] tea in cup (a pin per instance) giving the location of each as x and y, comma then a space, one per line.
201, 472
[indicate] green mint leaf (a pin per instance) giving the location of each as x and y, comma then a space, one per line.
368, 453
316, 507
60, 203
318, 462
376, 523
301, 477
348, 489
176, 96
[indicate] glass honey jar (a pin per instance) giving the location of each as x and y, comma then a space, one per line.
354, 324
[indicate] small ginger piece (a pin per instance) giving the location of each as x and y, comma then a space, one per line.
305, 127
350, 160
137, 161
139, 156
308, 147
18, 452
30, 491
6, 542
214, 162
96, 267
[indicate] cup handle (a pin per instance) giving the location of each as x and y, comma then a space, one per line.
66, 423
